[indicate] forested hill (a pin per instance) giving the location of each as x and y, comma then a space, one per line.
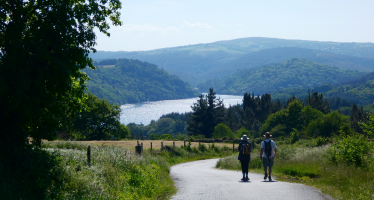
293, 73
201, 62
359, 90
130, 81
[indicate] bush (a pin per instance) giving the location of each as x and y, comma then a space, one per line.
321, 141
153, 136
351, 149
294, 136
166, 136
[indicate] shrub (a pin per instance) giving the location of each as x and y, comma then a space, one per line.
321, 141
351, 149
153, 136
294, 136
166, 136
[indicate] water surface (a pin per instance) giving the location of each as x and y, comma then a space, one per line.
143, 113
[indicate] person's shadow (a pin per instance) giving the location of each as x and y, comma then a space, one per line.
269, 181
244, 181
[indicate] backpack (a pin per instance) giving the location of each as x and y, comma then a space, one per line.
246, 149
268, 149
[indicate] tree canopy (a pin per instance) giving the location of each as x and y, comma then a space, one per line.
43, 46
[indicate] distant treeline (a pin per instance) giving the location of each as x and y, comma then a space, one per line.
256, 115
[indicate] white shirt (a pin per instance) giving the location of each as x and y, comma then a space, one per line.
273, 146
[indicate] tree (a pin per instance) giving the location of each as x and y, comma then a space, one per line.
43, 46
368, 127
207, 113
99, 121
221, 131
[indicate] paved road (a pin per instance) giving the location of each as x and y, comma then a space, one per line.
200, 180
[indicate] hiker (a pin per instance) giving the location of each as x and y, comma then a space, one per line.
267, 154
245, 149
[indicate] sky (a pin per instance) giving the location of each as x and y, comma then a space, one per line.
155, 24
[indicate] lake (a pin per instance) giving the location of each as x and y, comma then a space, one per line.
144, 113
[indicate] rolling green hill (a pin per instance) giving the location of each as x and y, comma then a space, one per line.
201, 62
293, 73
133, 81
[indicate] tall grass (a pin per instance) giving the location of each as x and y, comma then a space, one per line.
60, 171
306, 163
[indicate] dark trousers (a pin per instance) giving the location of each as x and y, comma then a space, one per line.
245, 164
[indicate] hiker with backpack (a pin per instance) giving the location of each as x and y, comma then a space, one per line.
267, 154
245, 149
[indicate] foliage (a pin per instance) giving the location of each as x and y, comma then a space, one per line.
221, 130
153, 136
206, 114
368, 127
327, 125
352, 149
133, 81
37, 175
340, 95
322, 141
242, 131
115, 173
292, 73
294, 136
43, 47
100, 120
166, 136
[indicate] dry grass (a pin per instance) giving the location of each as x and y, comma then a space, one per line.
156, 144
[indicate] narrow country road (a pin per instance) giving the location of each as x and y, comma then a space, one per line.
200, 180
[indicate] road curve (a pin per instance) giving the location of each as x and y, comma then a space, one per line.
200, 180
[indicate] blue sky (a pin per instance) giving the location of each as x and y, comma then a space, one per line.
154, 24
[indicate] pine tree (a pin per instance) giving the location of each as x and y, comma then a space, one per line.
207, 113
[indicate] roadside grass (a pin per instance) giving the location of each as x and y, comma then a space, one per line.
305, 163
60, 170
114, 173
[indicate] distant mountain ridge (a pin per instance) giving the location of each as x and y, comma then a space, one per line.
198, 63
359, 90
293, 73
131, 81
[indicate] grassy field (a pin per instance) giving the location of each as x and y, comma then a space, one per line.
306, 163
156, 144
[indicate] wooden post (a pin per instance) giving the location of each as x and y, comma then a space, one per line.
199, 145
151, 146
137, 142
142, 147
162, 146
89, 155
173, 144
184, 143
233, 146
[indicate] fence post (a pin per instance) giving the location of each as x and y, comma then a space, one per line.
151, 146
142, 147
173, 144
89, 155
233, 146
184, 143
199, 145
162, 146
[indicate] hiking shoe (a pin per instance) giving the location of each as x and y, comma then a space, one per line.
243, 179
270, 178
246, 178
266, 176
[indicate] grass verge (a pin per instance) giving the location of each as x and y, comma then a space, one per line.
305, 163
60, 171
